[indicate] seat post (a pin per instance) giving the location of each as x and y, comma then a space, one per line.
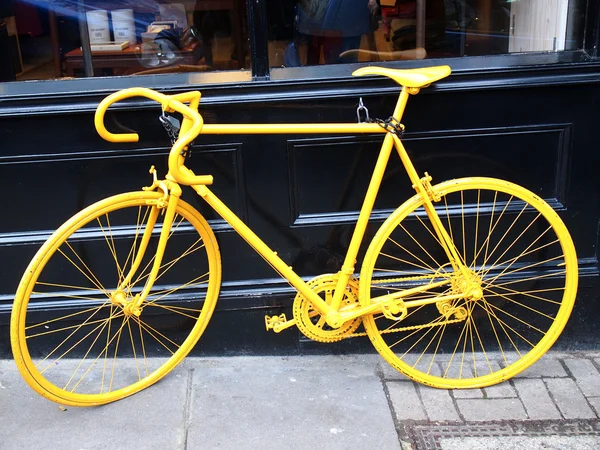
401, 104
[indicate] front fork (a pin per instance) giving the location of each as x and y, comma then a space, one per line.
168, 204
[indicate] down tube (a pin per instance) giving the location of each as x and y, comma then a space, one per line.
263, 249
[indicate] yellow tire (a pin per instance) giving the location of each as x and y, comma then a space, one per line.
72, 342
518, 252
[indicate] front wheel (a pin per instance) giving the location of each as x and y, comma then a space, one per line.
74, 339
522, 268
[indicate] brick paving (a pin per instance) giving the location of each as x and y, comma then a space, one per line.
558, 386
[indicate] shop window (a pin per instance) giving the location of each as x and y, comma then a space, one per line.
311, 32
129, 37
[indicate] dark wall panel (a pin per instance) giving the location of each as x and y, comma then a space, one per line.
301, 194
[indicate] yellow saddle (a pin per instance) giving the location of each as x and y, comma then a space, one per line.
414, 78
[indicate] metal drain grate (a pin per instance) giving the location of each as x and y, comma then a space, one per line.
432, 436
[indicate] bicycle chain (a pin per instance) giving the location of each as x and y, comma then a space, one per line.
410, 328
395, 280
391, 125
171, 125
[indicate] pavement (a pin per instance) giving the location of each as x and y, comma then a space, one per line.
316, 402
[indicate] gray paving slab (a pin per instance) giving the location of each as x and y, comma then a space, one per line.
548, 366
405, 400
569, 399
389, 373
438, 404
586, 375
501, 390
151, 419
595, 402
536, 399
330, 402
467, 393
479, 410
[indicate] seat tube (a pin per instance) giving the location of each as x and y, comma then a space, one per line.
365, 212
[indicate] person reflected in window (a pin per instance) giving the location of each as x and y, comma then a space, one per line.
335, 26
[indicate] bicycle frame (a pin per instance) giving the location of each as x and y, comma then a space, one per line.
179, 174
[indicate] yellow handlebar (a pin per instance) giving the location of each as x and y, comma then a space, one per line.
190, 128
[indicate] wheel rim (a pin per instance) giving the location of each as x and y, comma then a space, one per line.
519, 254
89, 348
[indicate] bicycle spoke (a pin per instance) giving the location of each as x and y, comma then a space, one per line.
515, 318
429, 230
538, 277
96, 282
105, 351
76, 288
420, 246
172, 309
522, 305
487, 256
474, 264
83, 359
70, 327
149, 330
118, 334
504, 326
527, 293
134, 352
70, 348
481, 341
143, 348
56, 294
138, 226
163, 294
520, 269
69, 336
111, 247
65, 317
515, 240
509, 262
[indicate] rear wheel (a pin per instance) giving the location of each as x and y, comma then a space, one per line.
522, 267
73, 337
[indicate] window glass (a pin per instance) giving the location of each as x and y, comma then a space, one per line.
310, 32
131, 37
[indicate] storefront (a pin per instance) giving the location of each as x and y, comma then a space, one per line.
522, 104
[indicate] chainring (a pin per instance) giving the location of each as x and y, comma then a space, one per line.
311, 323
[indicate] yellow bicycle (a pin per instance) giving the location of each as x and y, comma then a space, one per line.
466, 284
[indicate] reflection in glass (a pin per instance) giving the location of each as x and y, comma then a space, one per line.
128, 37
310, 32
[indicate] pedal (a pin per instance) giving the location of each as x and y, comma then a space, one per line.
271, 321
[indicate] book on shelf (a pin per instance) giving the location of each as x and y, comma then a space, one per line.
109, 46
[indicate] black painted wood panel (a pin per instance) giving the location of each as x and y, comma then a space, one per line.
301, 194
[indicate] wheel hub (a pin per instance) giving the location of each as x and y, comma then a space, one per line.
468, 284
126, 302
